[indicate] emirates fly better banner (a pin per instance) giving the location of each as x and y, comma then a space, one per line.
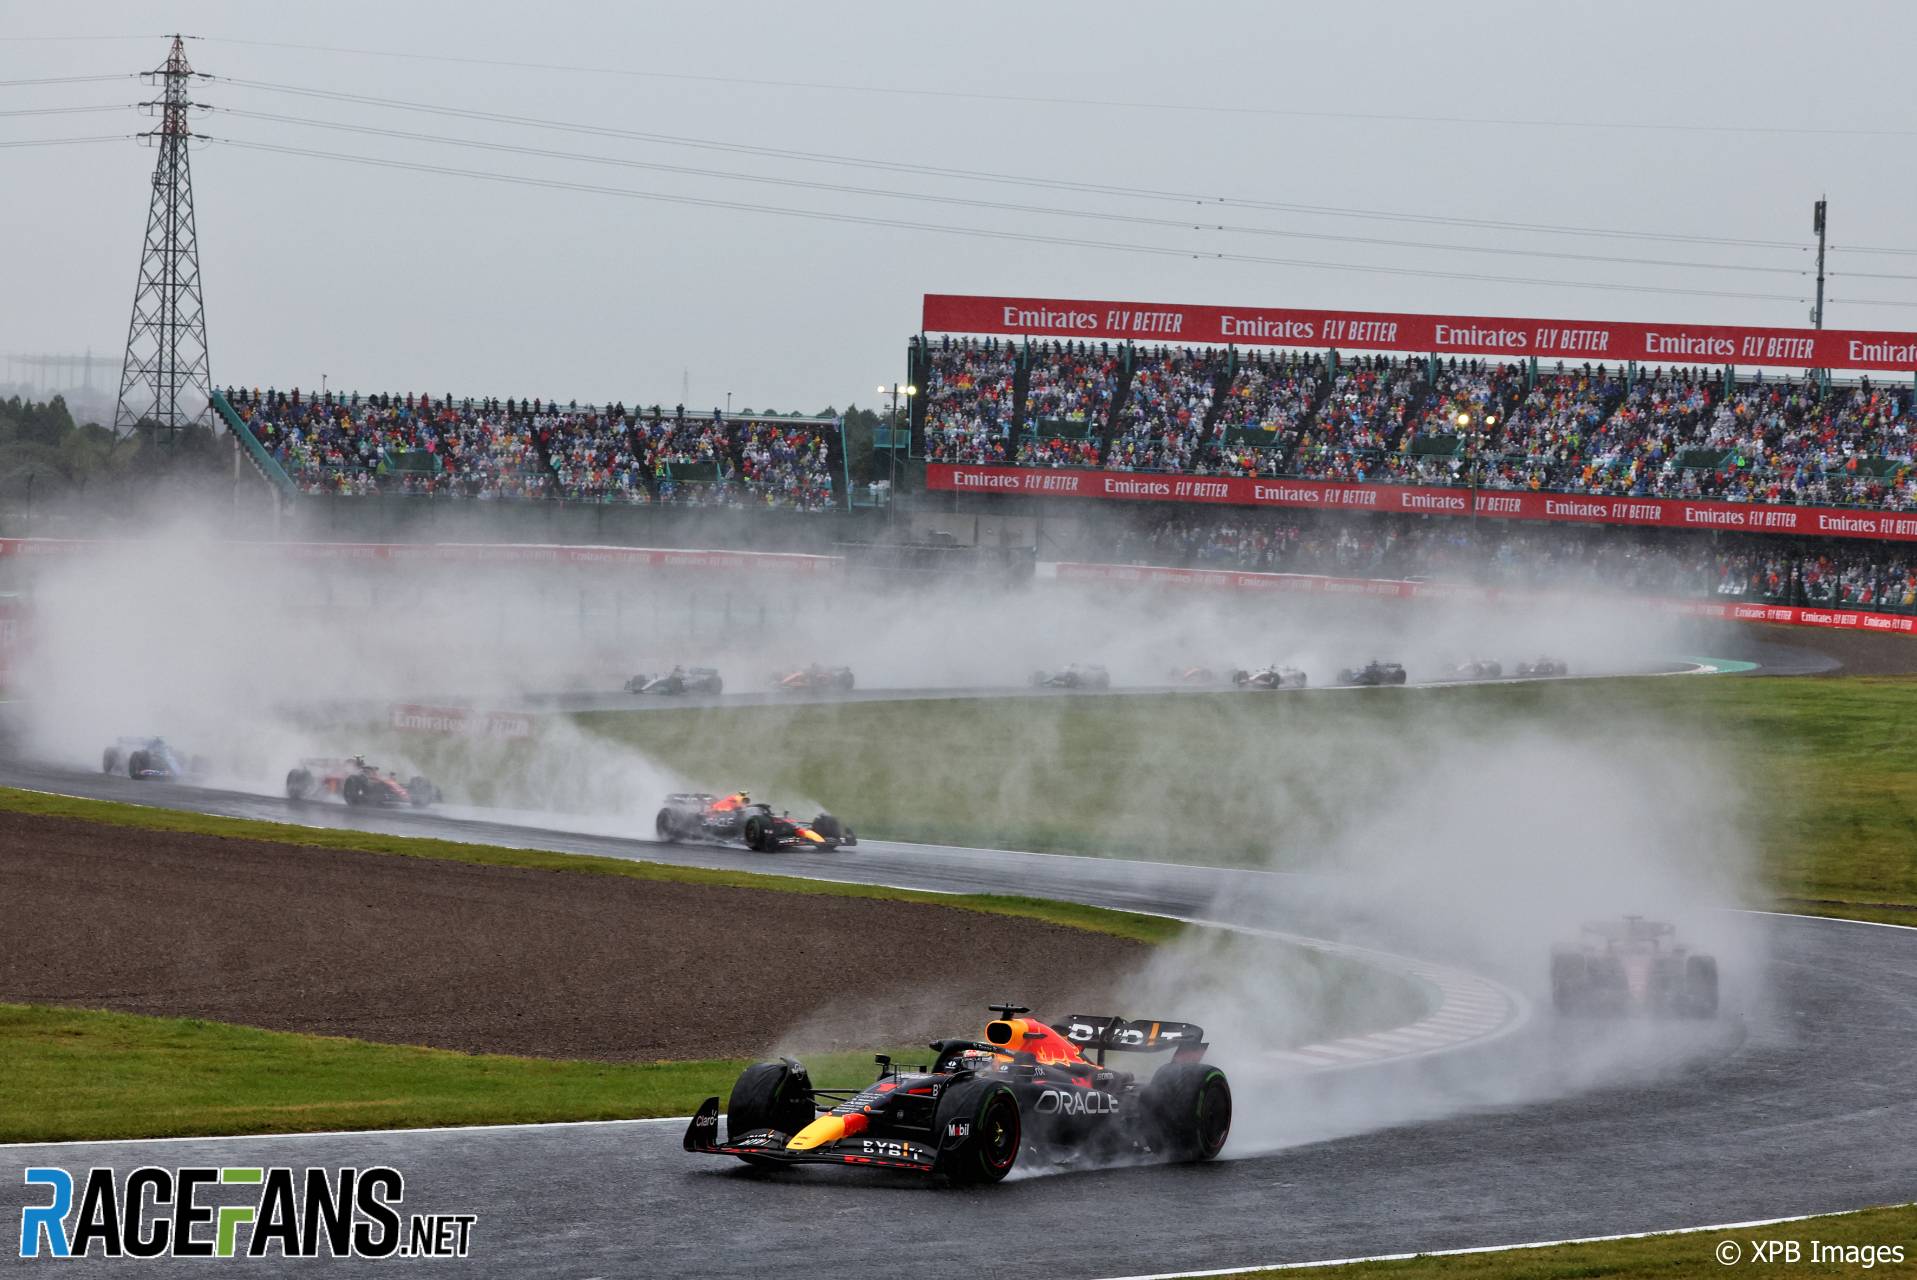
1421, 500
1574, 341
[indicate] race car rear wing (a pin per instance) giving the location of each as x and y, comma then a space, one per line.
1103, 1032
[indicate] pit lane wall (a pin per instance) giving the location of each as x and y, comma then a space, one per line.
1391, 589
1423, 500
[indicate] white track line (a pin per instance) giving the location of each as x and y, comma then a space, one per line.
1489, 1248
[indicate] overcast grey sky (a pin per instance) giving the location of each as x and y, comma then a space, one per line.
395, 280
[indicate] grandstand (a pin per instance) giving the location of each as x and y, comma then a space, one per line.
1736, 567
1584, 429
1478, 421
493, 450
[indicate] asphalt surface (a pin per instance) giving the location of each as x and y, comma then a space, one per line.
1796, 1100
1796, 1103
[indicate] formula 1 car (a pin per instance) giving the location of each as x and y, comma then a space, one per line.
1270, 678
1373, 673
357, 783
678, 680
1545, 667
814, 677
1478, 669
1027, 1089
694, 815
1192, 675
1089, 675
151, 759
1632, 965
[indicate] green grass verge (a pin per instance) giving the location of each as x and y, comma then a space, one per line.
78, 1073
1122, 924
1686, 1254
84, 1073
1820, 774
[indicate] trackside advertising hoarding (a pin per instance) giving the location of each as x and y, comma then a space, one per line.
1743, 517
1391, 589
1573, 341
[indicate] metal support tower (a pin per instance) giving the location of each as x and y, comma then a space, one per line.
1817, 225
167, 378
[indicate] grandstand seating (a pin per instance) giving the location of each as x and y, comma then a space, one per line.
1654, 432
485, 449
1760, 568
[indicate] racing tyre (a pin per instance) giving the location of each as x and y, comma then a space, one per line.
758, 834
1700, 986
844, 682
666, 825
979, 1133
718, 686
1188, 1106
299, 784
1567, 984
1397, 677
770, 1095
829, 827
422, 793
1239, 677
353, 790
136, 764
110, 761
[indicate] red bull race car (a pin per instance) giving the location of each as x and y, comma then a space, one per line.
1478, 669
738, 819
1632, 965
151, 759
1273, 677
814, 677
1193, 675
1027, 1090
1544, 667
357, 783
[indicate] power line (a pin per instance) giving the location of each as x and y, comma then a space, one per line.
1031, 99
56, 142
1858, 248
21, 84
966, 202
979, 232
1873, 302
893, 166
69, 111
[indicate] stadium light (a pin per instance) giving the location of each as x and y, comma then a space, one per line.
1464, 420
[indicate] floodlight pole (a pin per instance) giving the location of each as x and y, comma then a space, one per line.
1817, 222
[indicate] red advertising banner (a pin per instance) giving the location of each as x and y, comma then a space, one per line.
1573, 341
1324, 495
1386, 588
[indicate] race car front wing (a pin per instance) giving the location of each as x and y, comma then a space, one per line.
702, 1137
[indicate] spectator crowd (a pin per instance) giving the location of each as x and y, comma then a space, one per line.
493, 450
1780, 570
1655, 432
